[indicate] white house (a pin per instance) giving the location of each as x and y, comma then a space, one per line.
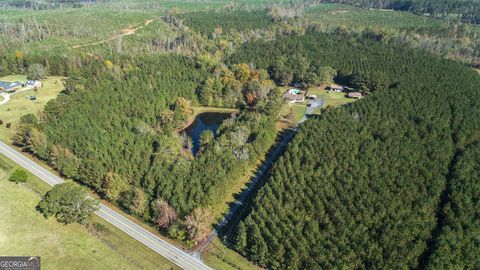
294, 96
34, 84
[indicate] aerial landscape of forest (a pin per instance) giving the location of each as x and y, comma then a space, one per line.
246, 134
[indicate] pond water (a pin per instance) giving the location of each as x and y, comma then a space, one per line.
204, 121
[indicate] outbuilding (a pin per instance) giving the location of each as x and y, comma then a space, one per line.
356, 95
336, 88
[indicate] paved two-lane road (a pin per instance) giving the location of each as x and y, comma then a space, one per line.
172, 253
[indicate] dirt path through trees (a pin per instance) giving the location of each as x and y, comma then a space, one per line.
123, 32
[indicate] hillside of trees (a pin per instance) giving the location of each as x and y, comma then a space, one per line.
388, 182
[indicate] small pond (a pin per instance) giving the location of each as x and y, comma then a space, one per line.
204, 121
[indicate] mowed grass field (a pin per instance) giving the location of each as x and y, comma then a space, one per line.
20, 104
218, 256
332, 99
24, 231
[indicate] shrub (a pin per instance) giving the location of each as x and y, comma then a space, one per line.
18, 176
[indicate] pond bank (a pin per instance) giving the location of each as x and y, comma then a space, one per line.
199, 110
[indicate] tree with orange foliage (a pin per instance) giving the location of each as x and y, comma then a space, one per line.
250, 98
199, 224
164, 213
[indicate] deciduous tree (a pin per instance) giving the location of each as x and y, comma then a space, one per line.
69, 203
164, 213
199, 224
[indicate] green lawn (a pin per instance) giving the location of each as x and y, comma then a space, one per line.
219, 256
290, 114
332, 99
19, 103
24, 231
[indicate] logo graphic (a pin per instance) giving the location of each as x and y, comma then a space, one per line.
20, 263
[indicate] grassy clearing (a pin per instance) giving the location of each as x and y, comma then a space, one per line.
290, 114
332, 99
198, 110
338, 14
19, 103
23, 231
220, 257
201, 109
221, 207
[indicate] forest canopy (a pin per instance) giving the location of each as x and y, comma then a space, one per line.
117, 127
374, 184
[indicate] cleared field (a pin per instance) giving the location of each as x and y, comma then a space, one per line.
292, 113
24, 231
63, 30
20, 104
338, 14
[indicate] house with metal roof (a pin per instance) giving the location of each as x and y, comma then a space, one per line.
10, 86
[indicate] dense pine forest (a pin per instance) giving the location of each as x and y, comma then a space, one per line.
387, 182
239, 20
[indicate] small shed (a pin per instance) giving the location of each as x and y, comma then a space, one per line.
336, 88
356, 95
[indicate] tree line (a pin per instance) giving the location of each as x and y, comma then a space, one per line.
386, 182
